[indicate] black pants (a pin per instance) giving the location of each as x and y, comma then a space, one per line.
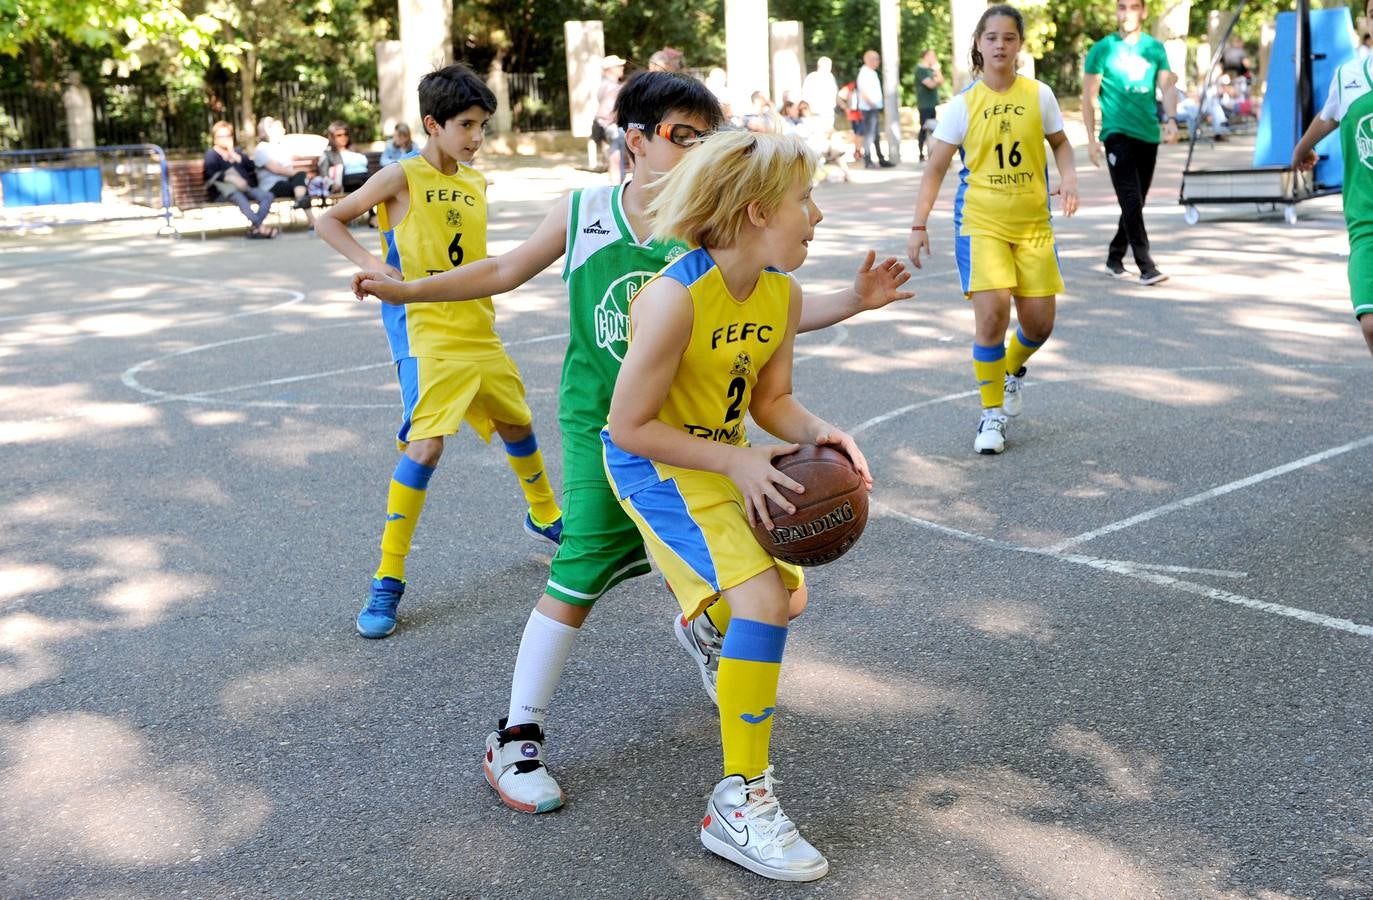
926, 115
1131, 164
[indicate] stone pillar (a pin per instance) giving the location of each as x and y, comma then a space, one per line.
788, 61
76, 98
500, 86
965, 15
889, 18
1171, 28
424, 38
746, 47
1266, 34
391, 88
585, 43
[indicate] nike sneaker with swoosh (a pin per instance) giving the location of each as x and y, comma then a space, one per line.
514, 768
744, 823
702, 643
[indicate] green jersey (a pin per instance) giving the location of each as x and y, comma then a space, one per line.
1129, 74
1350, 102
605, 265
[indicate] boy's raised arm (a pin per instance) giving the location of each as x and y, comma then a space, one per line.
386, 185
484, 278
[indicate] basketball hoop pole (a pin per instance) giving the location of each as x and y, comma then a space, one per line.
1303, 55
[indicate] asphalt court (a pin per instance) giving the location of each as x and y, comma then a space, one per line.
1129, 657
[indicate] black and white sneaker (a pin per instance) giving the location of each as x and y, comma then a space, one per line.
1116, 270
991, 433
1153, 276
745, 824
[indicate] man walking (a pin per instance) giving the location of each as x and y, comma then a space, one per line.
1123, 70
869, 88
928, 79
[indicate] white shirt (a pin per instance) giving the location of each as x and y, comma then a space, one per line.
266, 152
869, 89
822, 93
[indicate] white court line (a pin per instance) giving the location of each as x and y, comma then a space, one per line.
1179, 570
1214, 492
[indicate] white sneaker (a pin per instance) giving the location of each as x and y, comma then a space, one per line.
514, 768
991, 433
1014, 401
745, 824
702, 642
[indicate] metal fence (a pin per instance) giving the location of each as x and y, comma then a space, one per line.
63, 186
34, 117
535, 107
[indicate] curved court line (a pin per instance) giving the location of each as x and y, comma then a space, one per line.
130, 376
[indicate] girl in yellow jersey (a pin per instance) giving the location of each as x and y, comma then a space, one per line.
711, 338
1003, 241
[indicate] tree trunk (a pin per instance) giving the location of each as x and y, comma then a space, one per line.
248, 82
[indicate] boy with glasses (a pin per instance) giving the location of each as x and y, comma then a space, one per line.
610, 252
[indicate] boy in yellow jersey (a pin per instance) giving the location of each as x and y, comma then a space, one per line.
711, 338
1003, 240
450, 362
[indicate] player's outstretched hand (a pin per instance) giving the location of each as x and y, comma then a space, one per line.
388, 287
1067, 190
876, 286
836, 438
915, 243
757, 480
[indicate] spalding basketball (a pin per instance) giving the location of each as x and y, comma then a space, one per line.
829, 516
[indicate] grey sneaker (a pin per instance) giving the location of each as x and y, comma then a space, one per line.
702, 643
745, 824
514, 768
1014, 401
991, 433
1116, 270
1153, 276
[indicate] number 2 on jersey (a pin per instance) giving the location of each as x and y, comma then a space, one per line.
735, 395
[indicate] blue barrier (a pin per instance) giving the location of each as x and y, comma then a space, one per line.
77, 186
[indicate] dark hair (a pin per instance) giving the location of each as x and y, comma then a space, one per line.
446, 92
648, 96
1000, 9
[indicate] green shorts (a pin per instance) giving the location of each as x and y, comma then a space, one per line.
600, 546
1361, 275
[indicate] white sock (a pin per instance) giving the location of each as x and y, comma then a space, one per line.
538, 667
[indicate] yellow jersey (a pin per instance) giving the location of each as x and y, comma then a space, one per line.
1004, 181
731, 340
444, 227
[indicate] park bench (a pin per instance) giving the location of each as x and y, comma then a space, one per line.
188, 191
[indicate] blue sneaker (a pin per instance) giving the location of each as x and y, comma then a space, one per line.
378, 619
551, 533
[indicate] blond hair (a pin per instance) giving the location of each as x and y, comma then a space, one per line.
704, 200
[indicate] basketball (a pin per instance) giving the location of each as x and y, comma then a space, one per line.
829, 516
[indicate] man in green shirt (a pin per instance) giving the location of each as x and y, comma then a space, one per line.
928, 80
1123, 70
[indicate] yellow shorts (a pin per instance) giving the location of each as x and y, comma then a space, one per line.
438, 395
1027, 269
695, 528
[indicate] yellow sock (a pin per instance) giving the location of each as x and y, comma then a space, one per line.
719, 614
989, 365
524, 457
746, 685
404, 501
1020, 350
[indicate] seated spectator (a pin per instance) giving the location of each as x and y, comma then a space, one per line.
761, 118
276, 166
1191, 110
819, 135
791, 117
401, 145
230, 175
345, 168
